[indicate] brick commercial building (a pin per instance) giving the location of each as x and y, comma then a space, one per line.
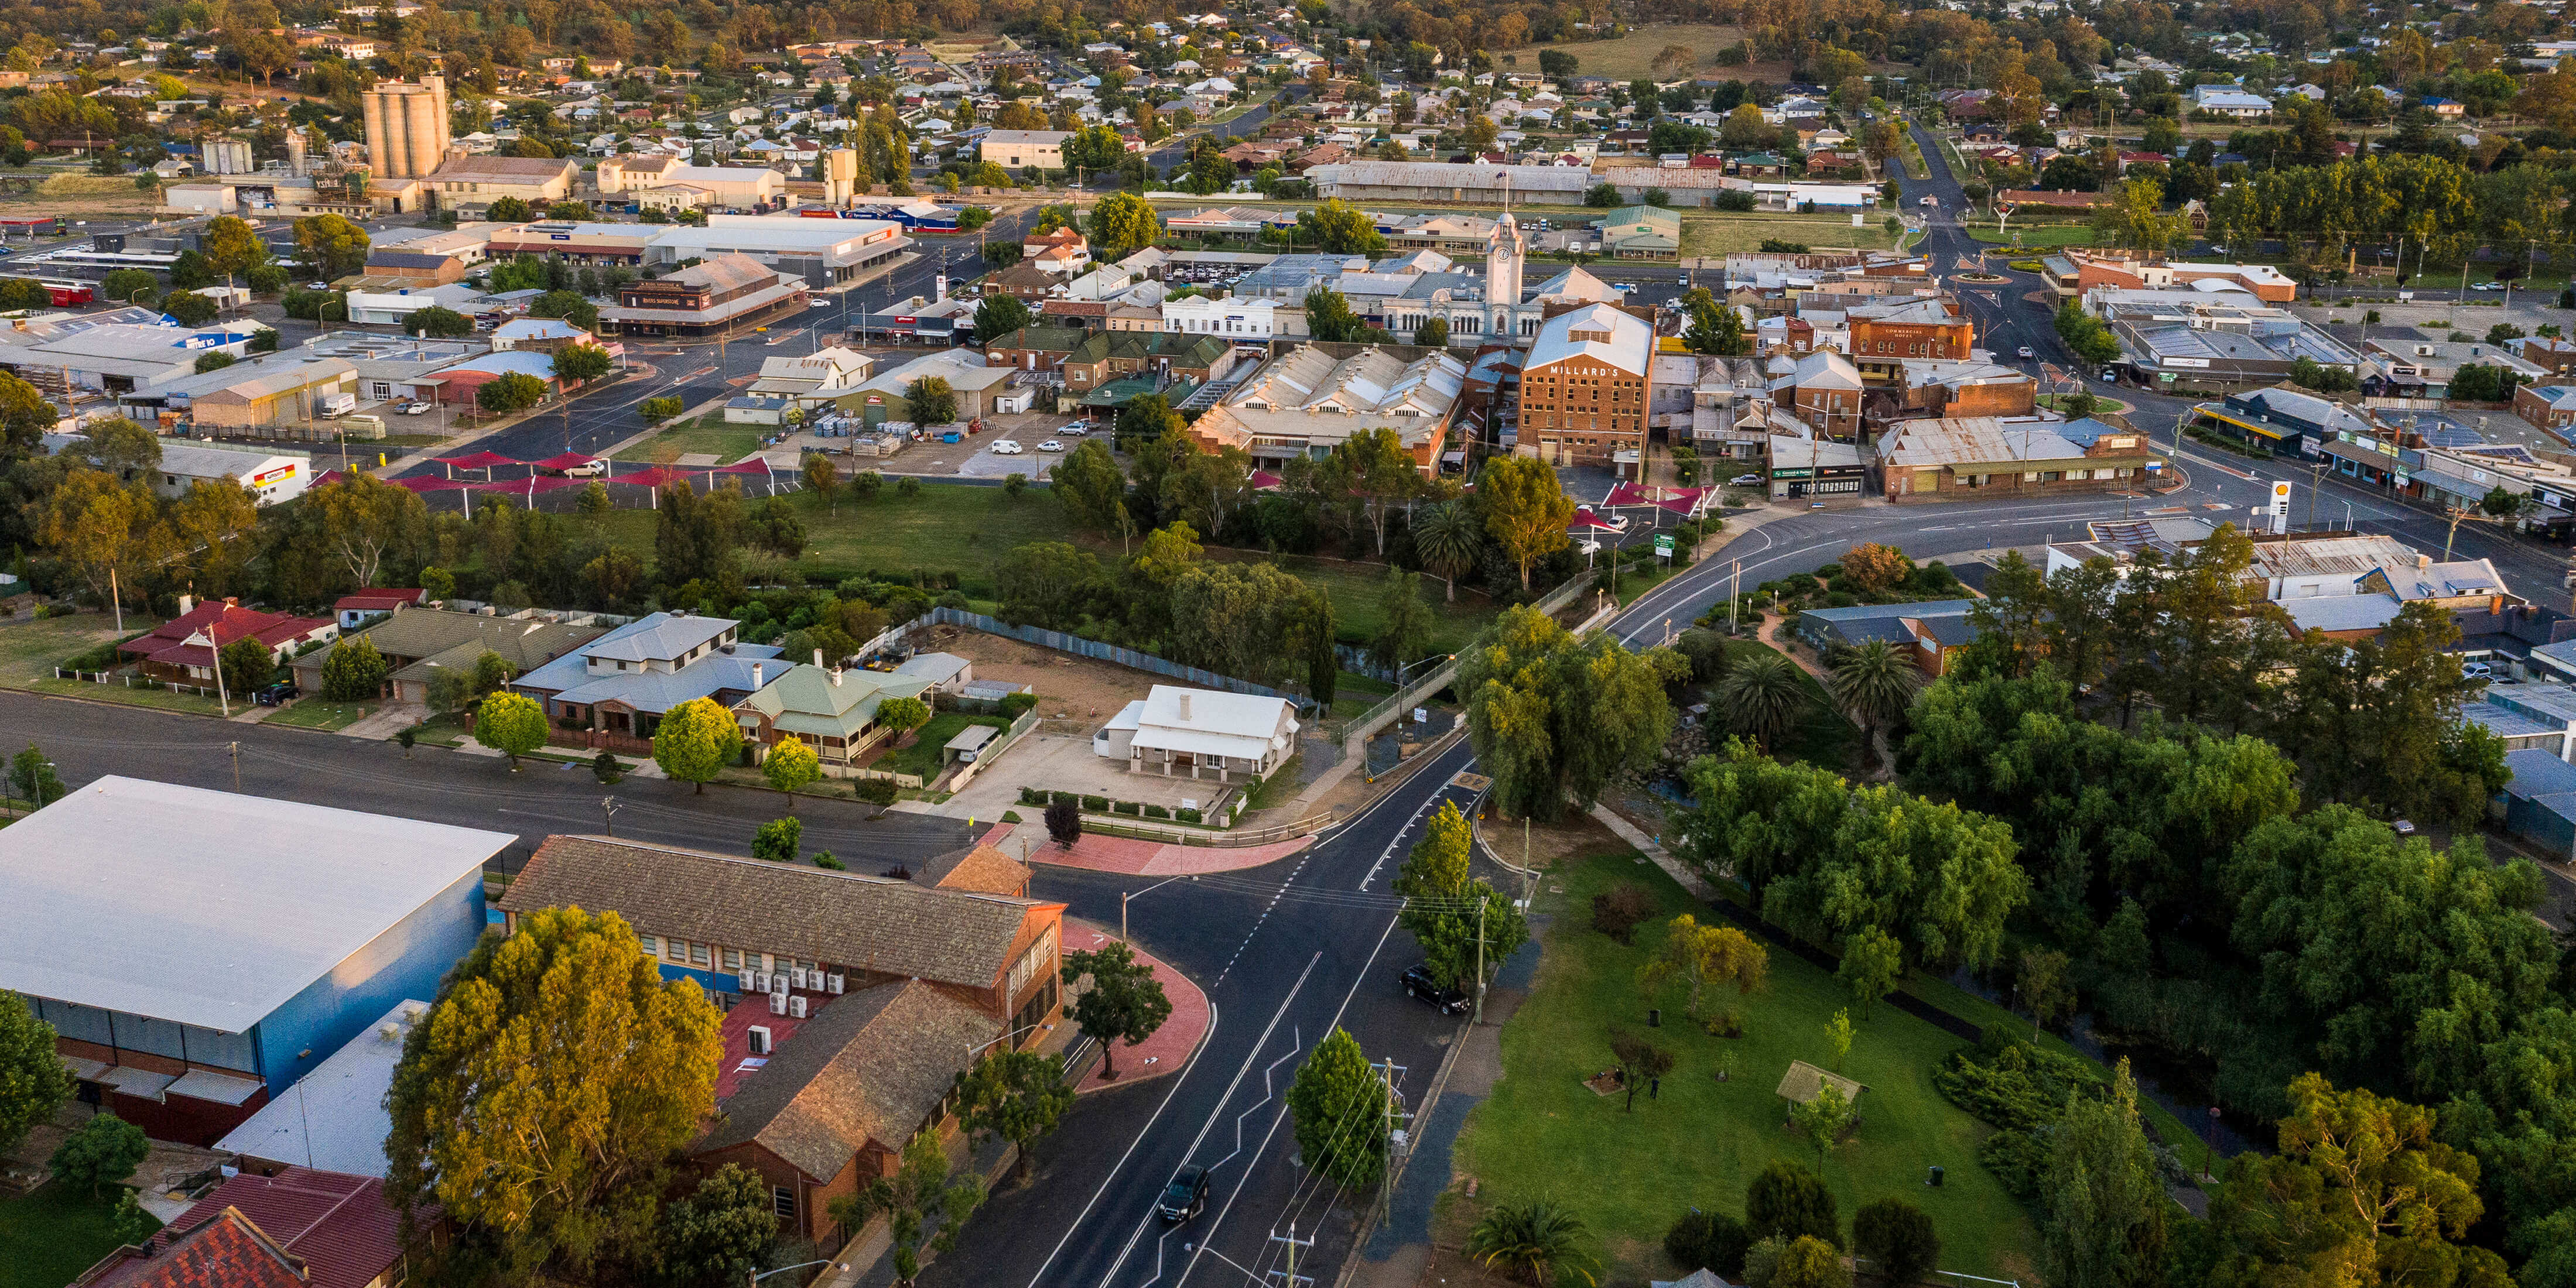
1309, 400
1104, 356
1976, 458
1884, 334
1585, 390
722, 294
855, 1000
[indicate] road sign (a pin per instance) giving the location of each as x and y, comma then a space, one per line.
1663, 544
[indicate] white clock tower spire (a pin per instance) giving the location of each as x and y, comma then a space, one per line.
1504, 251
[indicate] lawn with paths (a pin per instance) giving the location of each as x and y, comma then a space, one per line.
729, 443
924, 755
1630, 1175
48, 1237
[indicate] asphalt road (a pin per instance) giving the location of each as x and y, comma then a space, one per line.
697, 372
87, 740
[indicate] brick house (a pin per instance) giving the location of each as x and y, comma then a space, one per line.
1104, 356
183, 648
865, 995
1883, 335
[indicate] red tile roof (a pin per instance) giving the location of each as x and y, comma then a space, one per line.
227, 1251
337, 1224
223, 622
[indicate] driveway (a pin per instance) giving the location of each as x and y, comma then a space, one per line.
1055, 763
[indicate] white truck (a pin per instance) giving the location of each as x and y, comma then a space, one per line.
333, 406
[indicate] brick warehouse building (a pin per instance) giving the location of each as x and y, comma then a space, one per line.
1586, 387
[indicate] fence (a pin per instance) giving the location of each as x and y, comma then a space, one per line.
1080, 647
1018, 728
102, 677
1355, 735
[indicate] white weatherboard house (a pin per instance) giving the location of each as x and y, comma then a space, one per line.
1200, 733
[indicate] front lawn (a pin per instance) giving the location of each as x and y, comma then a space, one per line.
923, 756
707, 434
314, 713
1628, 1176
49, 1237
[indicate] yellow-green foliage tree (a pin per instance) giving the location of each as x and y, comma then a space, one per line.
542, 1101
791, 764
512, 724
695, 740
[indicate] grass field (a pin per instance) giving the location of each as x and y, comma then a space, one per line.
30, 650
1632, 56
2043, 235
730, 443
1628, 1176
1358, 591
1726, 234
47, 1238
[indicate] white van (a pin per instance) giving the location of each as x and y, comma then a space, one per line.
333, 406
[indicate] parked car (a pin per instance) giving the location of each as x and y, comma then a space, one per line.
1185, 1197
1745, 480
1050, 446
1077, 429
1005, 447
2025, 352
1418, 983
587, 470
1931, 201
416, 408
2476, 671
2488, 286
277, 695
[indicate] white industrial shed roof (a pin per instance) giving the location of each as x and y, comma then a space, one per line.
204, 907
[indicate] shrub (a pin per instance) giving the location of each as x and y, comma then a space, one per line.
778, 840
2011, 1085
879, 792
603, 766
1032, 796
1062, 798
825, 859
1896, 1239
1126, 807
1012, 817
1188, 815
1618, 911
1096, 804
1064, 823
1787, 1201
1016, 705
1157, 811
1710, 1241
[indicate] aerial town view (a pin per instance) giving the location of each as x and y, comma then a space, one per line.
1292, 644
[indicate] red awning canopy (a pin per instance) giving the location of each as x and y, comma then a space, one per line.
1587, 521
567, 461
419, 484
654, 476
1264, 481
756, 465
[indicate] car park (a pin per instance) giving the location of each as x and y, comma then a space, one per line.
1185, 1197
415, 409
1418, 983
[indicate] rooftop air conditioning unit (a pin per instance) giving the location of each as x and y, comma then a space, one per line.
758, 1035
796, 1006
778, 983
746, 980
778, 1003
833, 984
796, 977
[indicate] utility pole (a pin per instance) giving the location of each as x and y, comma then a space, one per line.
1734, 598
116, 600
1480, 960
1290, 1277
1387, 1075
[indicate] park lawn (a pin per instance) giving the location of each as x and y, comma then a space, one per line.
1725, 234
314, 713
48, 1237
1632, 56
1629, 1176
729, 443
924, 754
2047, 235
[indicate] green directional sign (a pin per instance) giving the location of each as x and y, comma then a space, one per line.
1663, 544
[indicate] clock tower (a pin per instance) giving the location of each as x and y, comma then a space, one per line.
1504, 251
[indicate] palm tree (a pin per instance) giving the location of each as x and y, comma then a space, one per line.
1448, 538
1532, 1240
1761, 695
1874, 682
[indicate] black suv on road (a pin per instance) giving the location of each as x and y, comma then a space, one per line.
1185, 1197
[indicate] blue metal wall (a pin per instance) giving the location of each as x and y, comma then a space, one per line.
407, 960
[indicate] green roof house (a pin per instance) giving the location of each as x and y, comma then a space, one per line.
832, 711
1641, 232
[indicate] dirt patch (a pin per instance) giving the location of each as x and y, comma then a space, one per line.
1577, 836
1074, 693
